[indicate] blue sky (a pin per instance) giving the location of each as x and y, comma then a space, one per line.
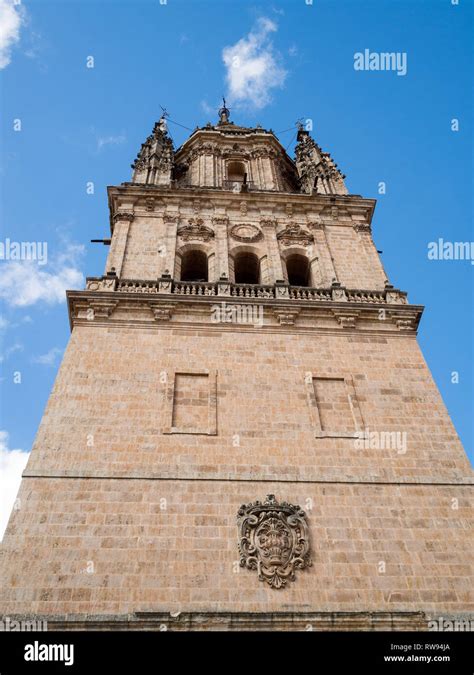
82, 124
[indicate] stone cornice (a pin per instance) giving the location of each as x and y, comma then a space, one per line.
223, 200
223, 136
149, 303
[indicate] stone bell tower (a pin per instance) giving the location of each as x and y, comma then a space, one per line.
243, 432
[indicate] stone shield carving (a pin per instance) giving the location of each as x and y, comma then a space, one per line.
273, 540
246, 232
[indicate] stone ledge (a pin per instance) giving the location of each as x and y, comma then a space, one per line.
239, 621
142, 309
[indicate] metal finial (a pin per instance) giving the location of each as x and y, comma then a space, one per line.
224, 113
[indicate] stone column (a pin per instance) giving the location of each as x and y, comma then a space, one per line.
261, 177
379, 275
171, 221
328, 271
269, 230
118, 244
317, 278
222, 247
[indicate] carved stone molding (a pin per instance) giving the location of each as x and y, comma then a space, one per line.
338, 294
346, 319
295, 234
395, 297
122, 215
171, 217
405, 321
161, 311
248, 621
220, 220
150, 203
334, 212
165, 284
282, 290
263, 152
195, 230
103, 284
273, 540
405, 324
223, 287
102, 309
316, 225
364, 228
246, 232
286, 316
268, 222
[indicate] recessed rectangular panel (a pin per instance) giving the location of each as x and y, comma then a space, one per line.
191, 402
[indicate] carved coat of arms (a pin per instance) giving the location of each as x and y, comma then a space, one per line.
195, 230
273, 540
295, 234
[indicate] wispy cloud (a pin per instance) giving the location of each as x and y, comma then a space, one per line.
208, 109
12, 465
48, 359
17, 347
6, 324
24, 283
103, 141
253, 67
11, 19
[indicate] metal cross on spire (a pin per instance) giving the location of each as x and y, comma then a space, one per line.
162, 125
224, 113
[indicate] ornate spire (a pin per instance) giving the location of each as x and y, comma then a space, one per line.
317, 170
154, 162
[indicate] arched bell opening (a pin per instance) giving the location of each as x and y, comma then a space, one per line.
194, 266
298, 270
246, 268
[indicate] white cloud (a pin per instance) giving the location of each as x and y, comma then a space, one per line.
17, 347
24, 283
10, 23
6, 324
48, 359
103, 141
208, 109
12, 464
253, 67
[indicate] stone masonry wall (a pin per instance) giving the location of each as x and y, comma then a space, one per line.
108, 407
98, 546
117, 516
